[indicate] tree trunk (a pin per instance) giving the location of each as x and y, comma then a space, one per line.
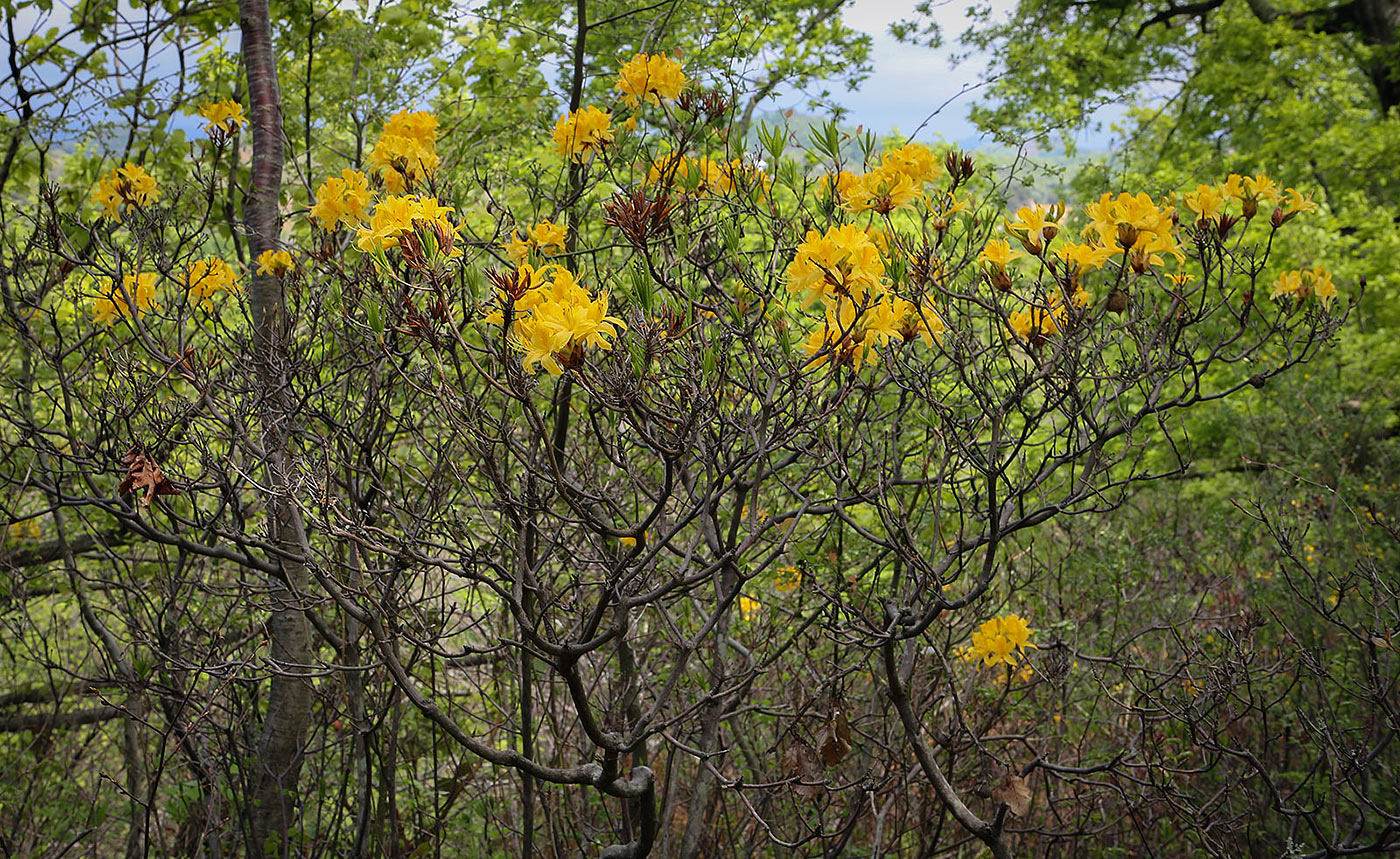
277, 762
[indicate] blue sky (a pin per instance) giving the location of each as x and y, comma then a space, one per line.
911, 82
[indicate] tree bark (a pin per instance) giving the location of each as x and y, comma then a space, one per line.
278, 758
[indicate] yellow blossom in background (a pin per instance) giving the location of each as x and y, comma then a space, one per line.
787, 580
1001, 640
838, 339
703, 175
650, 78
583, 132
406, 152
274, 262
1036, 322
839, 184
1299, 285
843, 262
129, 184
206, 277
549, 237
342, 200
749, 608
224, 116
115, 301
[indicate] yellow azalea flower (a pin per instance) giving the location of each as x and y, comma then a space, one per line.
1249, 190
998, 253
1035, 323
1001, 639
1319, 281
1134, 222
914, 160
394, 217
129, 184
556, 319
839, 184
894, 318
206, 277
1180, 279
1207, 202
882, 190
1080, 258
1295, 203
549, 237
581, 133
650, 78
406, 152
1290, 283
517, 249
342, 200
839, 339
274, 262
1037, 224
1315, 281
224, 116
115, 302
843, 262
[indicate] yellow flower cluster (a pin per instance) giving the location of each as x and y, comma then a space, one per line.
1001, 640
704, 175
1136, 224
116, 302
206, 277
843, 270
583, 132
896, 181
553, 319
129, 184
1315, 281
406, 153
546, 237
394, 218
342, 200
274, 262
650, 78
1209, 203
222, 117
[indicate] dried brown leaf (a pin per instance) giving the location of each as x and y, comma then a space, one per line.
834, 739
142, 472
1015, 791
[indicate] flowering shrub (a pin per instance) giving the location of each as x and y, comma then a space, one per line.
716, 426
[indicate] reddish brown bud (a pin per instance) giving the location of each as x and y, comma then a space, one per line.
1117, 301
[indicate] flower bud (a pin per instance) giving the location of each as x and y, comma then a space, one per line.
1127, 235
1117, 301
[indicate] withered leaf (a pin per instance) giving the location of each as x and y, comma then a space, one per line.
799, 762
834, 739
1015, 791
142, 472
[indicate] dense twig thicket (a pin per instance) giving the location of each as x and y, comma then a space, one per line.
714, 507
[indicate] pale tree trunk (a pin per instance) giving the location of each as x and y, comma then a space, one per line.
277, 762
